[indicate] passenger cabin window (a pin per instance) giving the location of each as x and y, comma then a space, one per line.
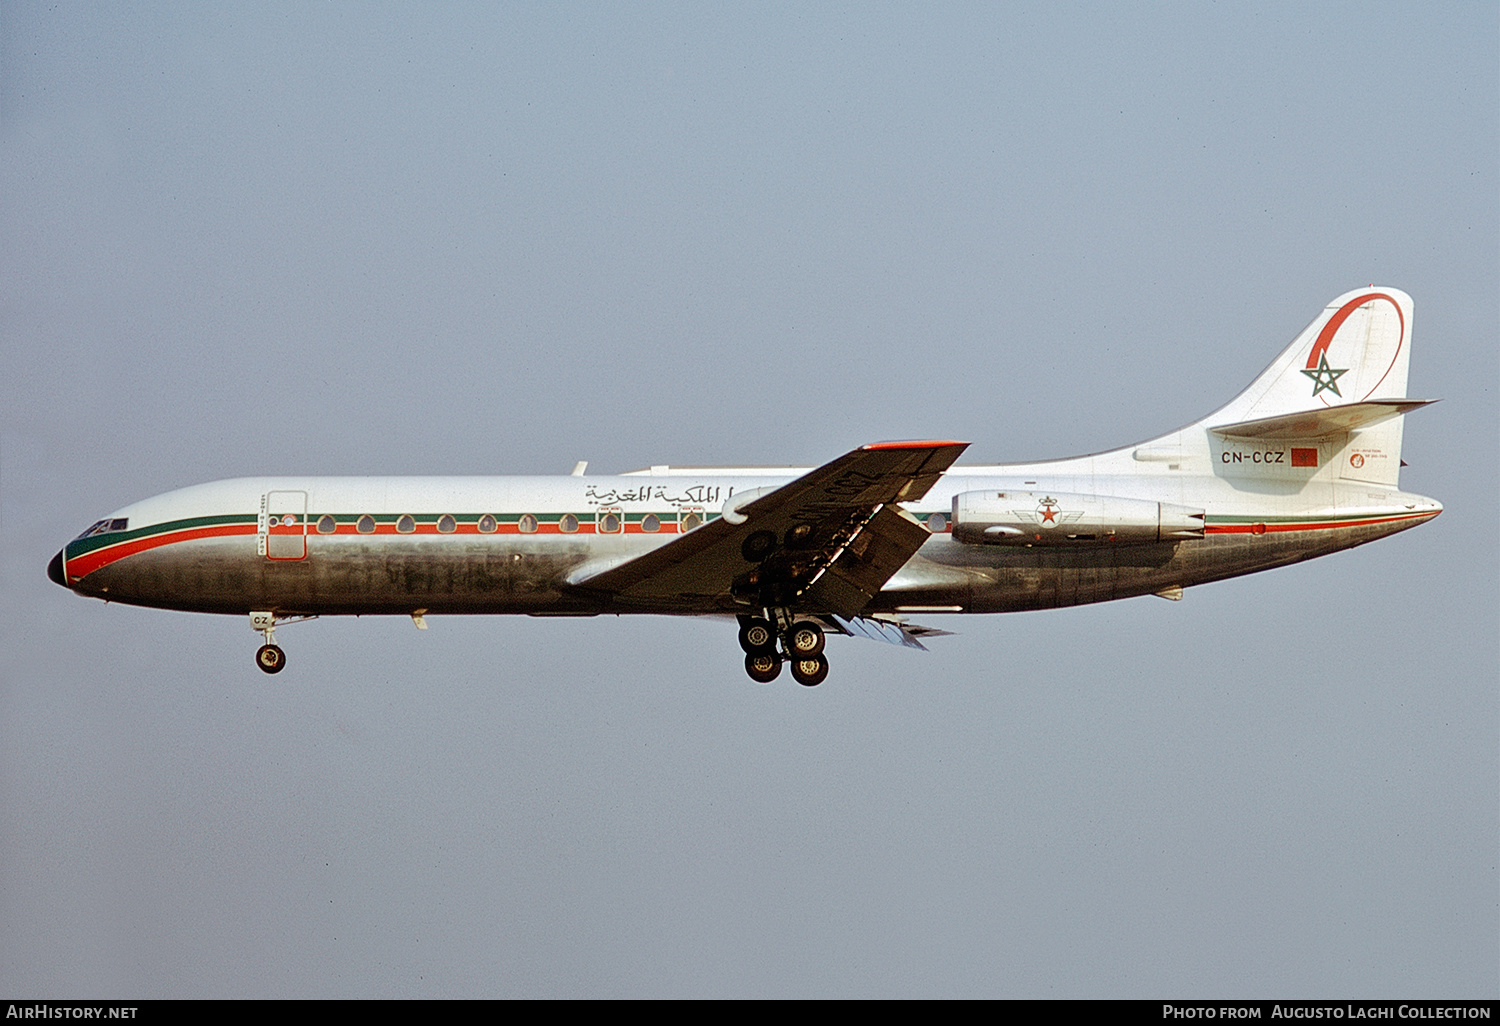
937, 523
365, 524
446, 524
687, 521
326, 524
609, 523
405, 524
650, 523
487, 524
568, 524
527, 524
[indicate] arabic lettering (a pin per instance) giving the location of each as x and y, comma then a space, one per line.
693, 495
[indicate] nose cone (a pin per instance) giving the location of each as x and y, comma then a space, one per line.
55, 570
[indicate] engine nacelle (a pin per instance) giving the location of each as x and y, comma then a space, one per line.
1060, 518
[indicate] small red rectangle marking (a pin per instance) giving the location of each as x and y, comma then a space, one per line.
1304, 457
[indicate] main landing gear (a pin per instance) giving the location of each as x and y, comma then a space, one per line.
799, 642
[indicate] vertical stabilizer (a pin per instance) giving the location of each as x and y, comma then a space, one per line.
1356, 350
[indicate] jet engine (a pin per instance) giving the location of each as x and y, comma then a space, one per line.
1061, 518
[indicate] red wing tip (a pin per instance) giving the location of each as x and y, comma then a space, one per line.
911, 445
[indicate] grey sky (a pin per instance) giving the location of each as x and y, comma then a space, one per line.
500, 239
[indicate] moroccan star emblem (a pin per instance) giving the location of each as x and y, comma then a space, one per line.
1326, 376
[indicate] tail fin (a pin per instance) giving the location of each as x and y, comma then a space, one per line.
1345, 375
1356, 350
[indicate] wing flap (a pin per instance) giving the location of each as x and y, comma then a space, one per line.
890, 630
858, 572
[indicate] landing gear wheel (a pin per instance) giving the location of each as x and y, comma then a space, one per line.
764, 667
799, 537
804, 640
757, 637
270, 658
810, 672
758, 546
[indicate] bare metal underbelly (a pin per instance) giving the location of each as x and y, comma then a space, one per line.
356, 576
1028, 579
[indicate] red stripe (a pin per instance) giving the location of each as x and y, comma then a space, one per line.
80, 567
909, 445
667, 527
1313, 525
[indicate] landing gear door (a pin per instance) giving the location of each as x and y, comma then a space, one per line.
282, 525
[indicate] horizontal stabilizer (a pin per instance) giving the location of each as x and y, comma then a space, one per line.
1333, 420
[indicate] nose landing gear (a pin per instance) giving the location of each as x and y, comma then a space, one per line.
269, 657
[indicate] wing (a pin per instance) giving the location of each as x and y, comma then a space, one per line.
826, 542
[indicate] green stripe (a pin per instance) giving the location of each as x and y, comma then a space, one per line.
83, 546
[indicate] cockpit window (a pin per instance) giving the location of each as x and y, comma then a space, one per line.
106, 527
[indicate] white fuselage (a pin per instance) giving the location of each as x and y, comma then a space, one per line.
513, 544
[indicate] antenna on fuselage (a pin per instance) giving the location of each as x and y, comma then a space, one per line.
580, 467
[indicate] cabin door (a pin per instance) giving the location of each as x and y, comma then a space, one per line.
283, 525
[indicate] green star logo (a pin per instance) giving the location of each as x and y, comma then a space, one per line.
1326, 376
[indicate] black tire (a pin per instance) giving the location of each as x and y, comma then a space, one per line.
758, 546
763, 667
810, 672
757, 637
270, 658
804, 640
